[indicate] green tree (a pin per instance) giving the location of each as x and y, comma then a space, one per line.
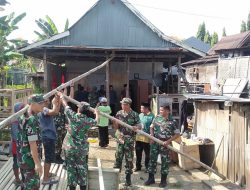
224, 32
248, 22
201, 32
8, 47
48, 28
243, 26
214, 39
207, 38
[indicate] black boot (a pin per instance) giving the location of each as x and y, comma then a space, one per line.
128, 180
163, 181
83, 187
151, 179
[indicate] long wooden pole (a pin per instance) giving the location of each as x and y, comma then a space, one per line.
149, 136
49, 94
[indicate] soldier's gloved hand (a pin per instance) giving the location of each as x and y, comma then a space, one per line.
39, 169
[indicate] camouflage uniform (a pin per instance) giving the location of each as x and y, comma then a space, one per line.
60, 122
28, 131
126, 141
163, 130
77, 147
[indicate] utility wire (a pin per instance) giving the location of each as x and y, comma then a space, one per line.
178, 11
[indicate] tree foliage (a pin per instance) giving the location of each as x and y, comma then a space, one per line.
224, 32
48, 28
201, 32
8, 47
248, 22
214, 39
243, 27
207, 38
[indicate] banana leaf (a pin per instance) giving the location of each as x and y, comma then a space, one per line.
52, 24
43, 28
40, 36
17, 19
46, 24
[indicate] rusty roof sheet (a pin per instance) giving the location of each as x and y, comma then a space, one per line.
203, 60
231, 42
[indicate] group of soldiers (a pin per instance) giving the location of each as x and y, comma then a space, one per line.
162, 127
76, 125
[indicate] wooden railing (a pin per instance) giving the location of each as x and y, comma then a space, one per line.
8, 98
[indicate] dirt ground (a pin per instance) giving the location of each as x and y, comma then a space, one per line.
177, 179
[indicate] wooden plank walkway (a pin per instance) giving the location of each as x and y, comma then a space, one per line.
7, 178
111, 177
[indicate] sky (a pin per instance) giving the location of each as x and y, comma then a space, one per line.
176, 18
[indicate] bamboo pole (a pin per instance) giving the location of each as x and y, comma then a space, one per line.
49, 94
147, 135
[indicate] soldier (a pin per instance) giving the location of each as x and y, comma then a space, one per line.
76, 145
126, 143
14, 133
60, 122
163, 128
142, 142
29, 144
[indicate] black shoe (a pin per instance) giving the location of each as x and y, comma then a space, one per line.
128, 180
151, 179
137, 169
163, 181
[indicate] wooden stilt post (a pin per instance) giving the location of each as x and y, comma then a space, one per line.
179, 78
147, 135
127, 68
107, 82
45, 67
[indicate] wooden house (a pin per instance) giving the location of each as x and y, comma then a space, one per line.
229, 58
111, 27
226, 122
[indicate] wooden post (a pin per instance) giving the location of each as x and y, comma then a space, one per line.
107, 82
179, 78
127, 68
45, 67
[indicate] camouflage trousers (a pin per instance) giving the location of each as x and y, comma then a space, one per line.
31, 179
61, 132
77, 168
155, 150
126, 149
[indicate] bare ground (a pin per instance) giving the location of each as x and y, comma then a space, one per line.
178, 179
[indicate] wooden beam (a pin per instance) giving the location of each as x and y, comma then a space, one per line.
101, 181
127, 68
179, 78
49, 94
45, 67
79, 104
107, 82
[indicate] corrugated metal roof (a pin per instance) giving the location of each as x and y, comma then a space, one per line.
205, 97
110, 24
201, 97
197, 44
231, 42
209, 59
